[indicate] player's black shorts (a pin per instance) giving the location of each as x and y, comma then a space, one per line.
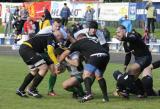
99, 60
143, 61
30, 57
47, 58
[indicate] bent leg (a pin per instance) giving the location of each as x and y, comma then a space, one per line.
52, 79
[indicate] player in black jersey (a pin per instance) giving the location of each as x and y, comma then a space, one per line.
133, 44
94, 33
96, 58
30, 52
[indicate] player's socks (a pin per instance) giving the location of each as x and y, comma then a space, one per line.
88, 83
36, 81
80, 90
93, 79
51, 82
26, 81
103, 86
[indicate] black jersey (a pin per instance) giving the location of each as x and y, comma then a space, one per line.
133, 44
39, 42
87, 47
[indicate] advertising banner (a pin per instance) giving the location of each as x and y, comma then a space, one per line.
113, 11
93, 1
132, 11
77, 9
36, 9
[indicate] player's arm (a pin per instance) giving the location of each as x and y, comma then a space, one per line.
74, 62
64, 55
127, 60
127, 56
50, 51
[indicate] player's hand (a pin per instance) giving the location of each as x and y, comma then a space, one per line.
66, 59
57, 69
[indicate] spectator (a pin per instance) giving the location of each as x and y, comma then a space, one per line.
23, 14
89, 15
7, 22
29, 26
106, 33
44, 22
16, 13
47, 14
17, 26
151, 16
126, 22
65, 14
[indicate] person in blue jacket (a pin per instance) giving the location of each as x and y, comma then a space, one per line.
126, 23
65, 14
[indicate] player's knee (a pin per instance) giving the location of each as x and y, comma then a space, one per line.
34, 72
43, 69
98, 77
64, 85
135, 69
148, 85
147, 82
147, 71
86, 74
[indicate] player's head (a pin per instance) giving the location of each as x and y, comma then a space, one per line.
93, 26
56, 24
121, 32
81, 36
58, 35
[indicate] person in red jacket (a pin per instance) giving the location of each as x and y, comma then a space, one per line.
29, 26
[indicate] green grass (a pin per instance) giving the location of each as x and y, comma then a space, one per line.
13, 70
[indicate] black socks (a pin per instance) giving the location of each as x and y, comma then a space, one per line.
26, 81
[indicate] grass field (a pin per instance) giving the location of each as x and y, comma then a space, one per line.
13, 70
